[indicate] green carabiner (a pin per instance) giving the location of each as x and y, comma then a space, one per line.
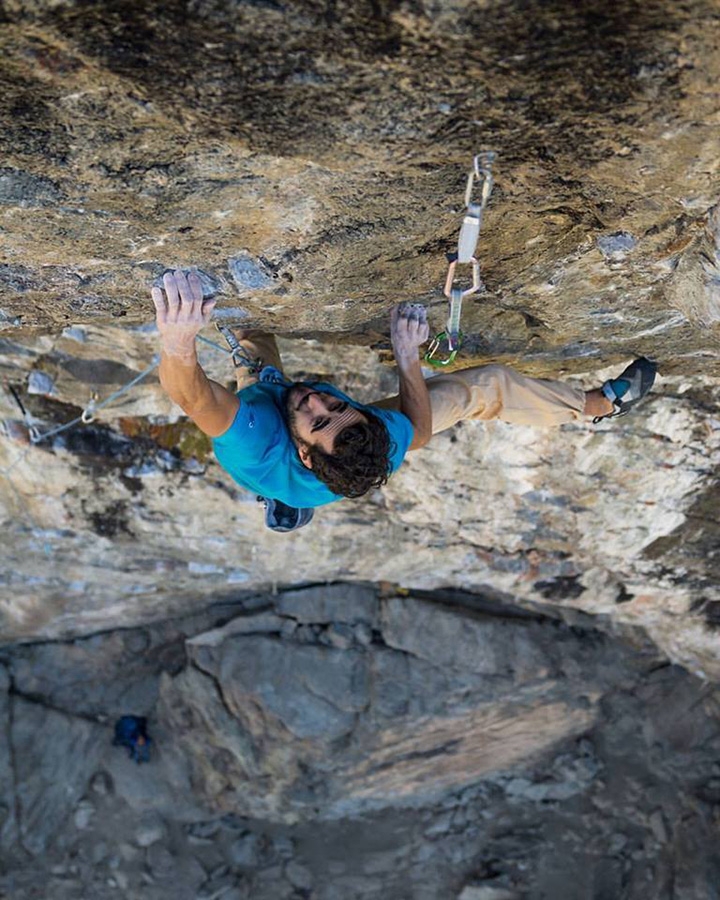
432, 360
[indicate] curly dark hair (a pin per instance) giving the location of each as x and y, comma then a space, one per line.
360, 460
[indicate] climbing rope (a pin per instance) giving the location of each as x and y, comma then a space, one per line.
86, 417
213, 344
451, 337
88, 414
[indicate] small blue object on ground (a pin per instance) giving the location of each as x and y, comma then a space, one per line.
131, 732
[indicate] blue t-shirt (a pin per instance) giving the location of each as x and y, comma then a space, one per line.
259, 453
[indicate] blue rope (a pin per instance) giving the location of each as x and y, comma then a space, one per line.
83, 417
213, 344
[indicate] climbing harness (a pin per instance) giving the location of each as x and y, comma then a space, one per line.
452, 336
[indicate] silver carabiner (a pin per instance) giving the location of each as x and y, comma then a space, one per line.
482, 168
470, 229
88, 414
476, 280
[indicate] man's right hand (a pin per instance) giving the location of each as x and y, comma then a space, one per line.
181, 313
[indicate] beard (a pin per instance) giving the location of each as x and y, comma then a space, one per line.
291, 413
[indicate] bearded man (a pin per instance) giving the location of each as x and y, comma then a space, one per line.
302, 445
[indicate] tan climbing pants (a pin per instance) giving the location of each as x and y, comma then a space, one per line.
481, 392
497, 392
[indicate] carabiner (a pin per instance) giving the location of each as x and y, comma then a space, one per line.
482, 168
470, 229
88, 414
476, 280
238, 354
434, 347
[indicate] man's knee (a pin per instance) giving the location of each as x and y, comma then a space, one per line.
449, 399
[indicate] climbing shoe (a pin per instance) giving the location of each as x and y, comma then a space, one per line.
629, 388
281, 517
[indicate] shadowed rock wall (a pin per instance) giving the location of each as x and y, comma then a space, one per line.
336, 743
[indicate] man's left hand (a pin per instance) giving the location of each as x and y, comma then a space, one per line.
408, 331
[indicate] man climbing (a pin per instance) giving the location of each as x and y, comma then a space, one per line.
309, 444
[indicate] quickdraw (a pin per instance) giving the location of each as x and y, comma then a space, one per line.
452, 336
238, 353
33, 430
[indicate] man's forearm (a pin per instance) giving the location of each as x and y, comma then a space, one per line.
181, 312
415, 401
184, 380
187, 384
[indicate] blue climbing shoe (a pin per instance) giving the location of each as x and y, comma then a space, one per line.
629, 388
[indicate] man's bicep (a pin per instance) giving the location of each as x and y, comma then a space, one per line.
401, 433
217, 414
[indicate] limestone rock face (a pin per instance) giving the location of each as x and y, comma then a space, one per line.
310, 160
312, 164
129, 519
50, 774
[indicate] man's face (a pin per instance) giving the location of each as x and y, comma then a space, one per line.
315, 418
